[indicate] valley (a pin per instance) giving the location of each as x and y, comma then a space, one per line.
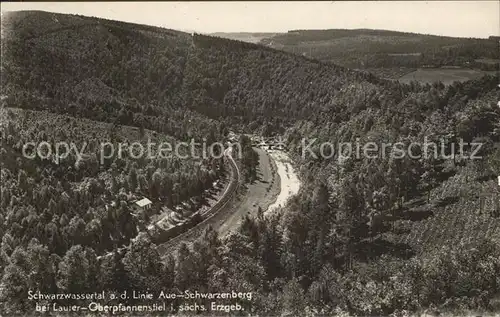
236, 205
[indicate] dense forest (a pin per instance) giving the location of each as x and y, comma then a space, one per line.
364, 236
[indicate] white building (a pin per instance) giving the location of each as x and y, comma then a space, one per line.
143, 204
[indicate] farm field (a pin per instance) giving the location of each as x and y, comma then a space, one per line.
445, 75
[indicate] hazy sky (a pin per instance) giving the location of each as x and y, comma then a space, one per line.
452, 18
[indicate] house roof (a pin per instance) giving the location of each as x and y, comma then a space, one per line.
143, 202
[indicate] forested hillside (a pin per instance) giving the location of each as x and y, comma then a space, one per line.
364, 236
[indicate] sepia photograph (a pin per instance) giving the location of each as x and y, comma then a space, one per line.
250, 158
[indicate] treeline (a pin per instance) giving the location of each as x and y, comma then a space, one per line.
257, 259
249, 159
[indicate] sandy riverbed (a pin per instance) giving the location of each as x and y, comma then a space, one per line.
289, 181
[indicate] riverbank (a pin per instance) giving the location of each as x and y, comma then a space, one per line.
261, 193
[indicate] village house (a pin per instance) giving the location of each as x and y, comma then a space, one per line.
143, 204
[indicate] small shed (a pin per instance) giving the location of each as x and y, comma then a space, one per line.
143, 204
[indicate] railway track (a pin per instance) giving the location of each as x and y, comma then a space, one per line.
211, 217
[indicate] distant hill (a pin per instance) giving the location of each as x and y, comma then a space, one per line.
381, 49
249, 37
